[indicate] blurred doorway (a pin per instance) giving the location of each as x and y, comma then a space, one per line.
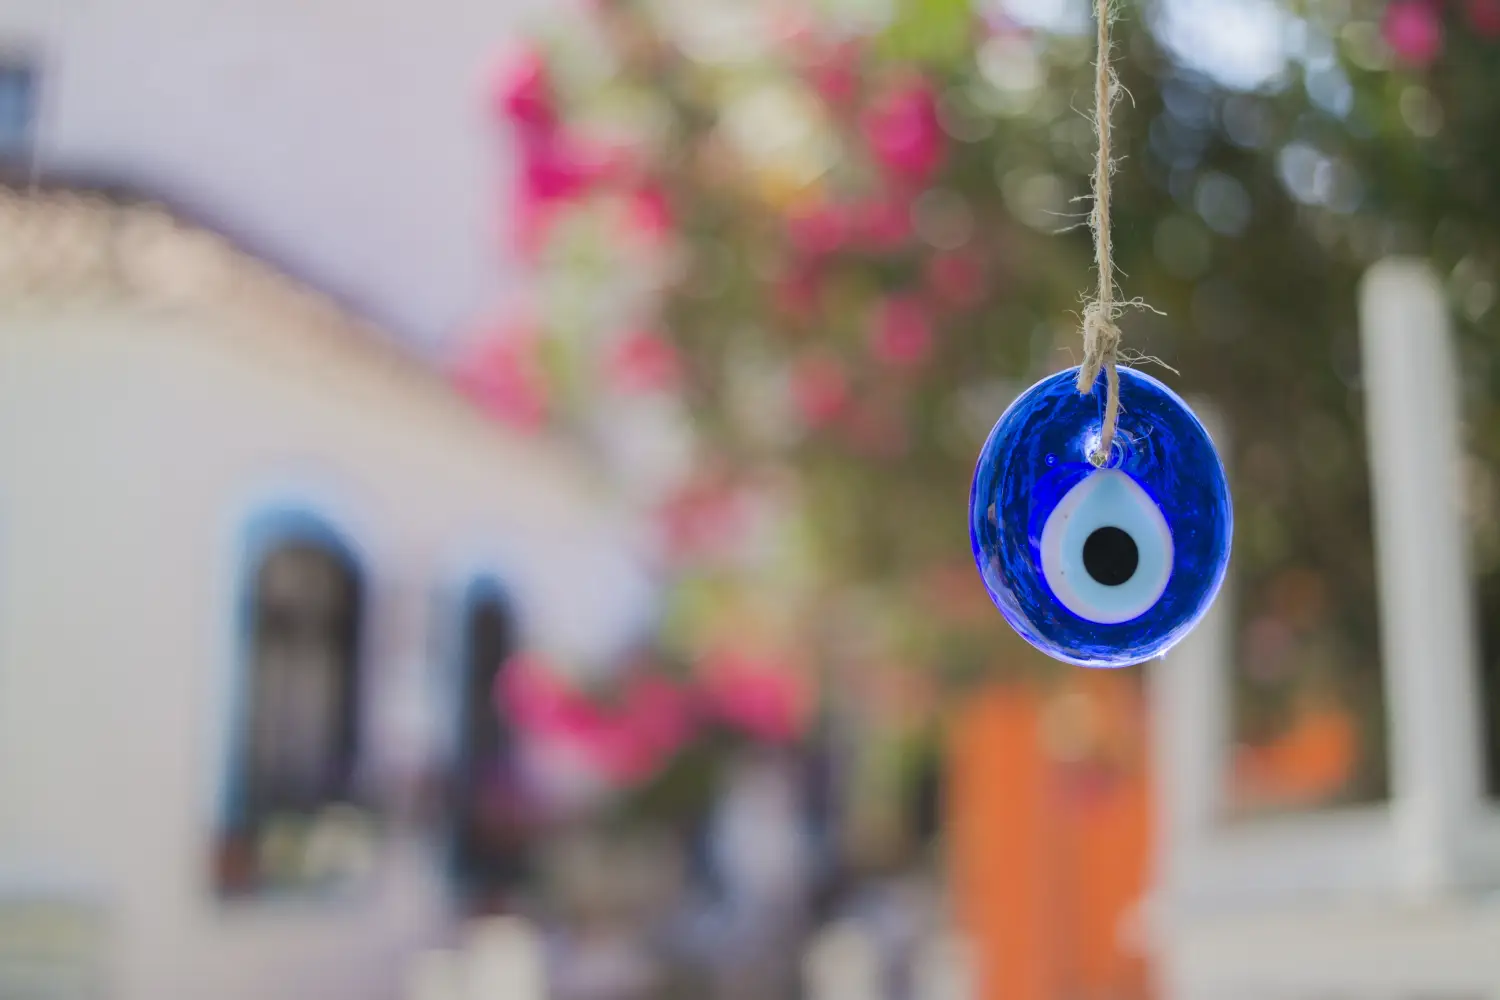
488, 835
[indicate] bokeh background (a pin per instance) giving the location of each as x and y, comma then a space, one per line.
482, 501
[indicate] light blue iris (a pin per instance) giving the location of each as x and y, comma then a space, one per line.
1110, 498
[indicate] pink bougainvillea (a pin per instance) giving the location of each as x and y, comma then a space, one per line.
654, 716
553, 165
623, 745
796, 292
819, 228
834, 73
904, 132
650, 214
521, 91
663, 709
882, 223
874, 429
765, 700
502, 373
956, 278
901, 332
1484, 17
820, 388
643, 362
530, 691
701, 519
1414, 31
554, 169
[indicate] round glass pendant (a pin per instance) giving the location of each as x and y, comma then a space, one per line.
1100, 566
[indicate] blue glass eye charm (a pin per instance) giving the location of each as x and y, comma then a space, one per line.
1106, 566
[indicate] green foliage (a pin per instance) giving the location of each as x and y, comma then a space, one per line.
1245, 216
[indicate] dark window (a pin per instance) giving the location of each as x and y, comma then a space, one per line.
1484, 554
1480, 382
489, 828
293, 820
17, 105
1489, 678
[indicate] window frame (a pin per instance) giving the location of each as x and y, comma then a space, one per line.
25, 59
262, 532
479, 585
1436, 833
467, 583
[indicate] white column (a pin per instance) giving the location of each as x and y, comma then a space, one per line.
945, 969
842, 963
1427, 627
1190, 716
505, 962
434, 975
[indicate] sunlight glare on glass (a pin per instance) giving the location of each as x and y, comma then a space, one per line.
1241, 44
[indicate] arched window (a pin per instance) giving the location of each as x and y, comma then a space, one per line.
488, 833
292, 820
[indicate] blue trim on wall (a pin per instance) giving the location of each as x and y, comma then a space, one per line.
266, 529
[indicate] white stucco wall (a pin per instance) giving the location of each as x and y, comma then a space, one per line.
347, 140
131, 443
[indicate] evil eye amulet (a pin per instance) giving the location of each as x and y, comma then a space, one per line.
1100, 566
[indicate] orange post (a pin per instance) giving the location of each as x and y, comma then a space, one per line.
1049, 858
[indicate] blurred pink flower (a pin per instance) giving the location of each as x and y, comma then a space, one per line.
875, 430
796, 292
643, 362
554, 168
762, 699
621, 747
522, 91
1484, 16
817, 229
650, 212
901, 332
903, 130
793, 27
504, 376
557, 165
1414, 31
820, 388
702, 517
621, 752
661, 712
834, 73
957, 278
552, 165
532, 693
882, 223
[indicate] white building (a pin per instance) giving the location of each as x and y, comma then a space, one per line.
243, 550
209, 472
349, 141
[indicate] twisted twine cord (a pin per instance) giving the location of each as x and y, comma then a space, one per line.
1101, 335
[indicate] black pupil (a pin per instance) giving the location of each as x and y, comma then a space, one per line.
1110, 556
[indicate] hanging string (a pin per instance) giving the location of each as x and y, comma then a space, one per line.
1101, 336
